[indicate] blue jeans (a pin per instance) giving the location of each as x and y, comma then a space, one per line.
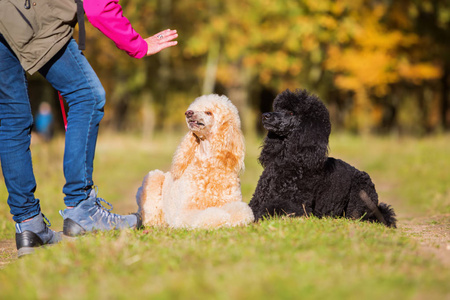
70, 73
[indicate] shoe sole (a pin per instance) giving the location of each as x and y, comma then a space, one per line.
73, 229
25, 251
30, 250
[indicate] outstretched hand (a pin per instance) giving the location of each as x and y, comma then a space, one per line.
161, 40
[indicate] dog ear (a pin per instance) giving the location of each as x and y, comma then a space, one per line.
229, 146
184, 155
307, 149
271, 149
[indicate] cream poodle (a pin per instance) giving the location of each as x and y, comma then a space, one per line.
202, 189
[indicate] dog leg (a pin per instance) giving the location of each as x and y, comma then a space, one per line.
240, 213
149, 199
212, 217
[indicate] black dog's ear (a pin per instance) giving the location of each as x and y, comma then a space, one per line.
307, 149
271, 149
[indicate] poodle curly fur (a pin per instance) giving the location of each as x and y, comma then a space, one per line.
299, 178
202, 189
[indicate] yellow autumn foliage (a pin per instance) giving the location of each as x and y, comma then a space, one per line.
358, 51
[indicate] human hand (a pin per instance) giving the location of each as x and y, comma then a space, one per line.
161, 40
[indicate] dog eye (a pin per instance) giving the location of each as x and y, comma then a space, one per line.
209, 113
291, 113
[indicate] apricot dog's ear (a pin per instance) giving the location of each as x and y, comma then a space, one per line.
184, 155
229, 145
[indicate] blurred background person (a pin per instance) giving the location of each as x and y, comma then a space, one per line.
44, 121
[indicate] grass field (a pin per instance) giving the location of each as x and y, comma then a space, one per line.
279, 258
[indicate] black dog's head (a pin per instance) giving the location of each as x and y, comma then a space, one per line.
297, 111
302, 122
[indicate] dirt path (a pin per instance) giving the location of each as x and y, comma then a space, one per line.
432, 234
7, 252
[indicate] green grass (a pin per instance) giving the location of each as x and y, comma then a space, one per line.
278, 258
412, 173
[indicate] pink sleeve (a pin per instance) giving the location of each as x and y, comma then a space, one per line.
106, 16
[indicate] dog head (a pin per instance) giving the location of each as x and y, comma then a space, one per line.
214, 119
297, 111
212, 115
200, 120
302, 122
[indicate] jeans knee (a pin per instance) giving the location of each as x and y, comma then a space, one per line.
22, 123
100, 97
89, 99
15, 134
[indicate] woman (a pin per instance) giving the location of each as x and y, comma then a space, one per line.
37, 37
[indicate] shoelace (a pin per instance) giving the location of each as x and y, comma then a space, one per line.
46, 221
111, 217
99, 200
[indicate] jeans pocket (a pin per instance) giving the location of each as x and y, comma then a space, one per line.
17, 28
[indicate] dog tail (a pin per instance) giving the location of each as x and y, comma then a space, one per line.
388, 214
384, 213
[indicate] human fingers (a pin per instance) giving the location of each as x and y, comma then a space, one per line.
161, 40
166, 35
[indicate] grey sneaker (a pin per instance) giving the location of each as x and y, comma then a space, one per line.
34, 233
90, 215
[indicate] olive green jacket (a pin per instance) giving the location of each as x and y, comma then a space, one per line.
36, 29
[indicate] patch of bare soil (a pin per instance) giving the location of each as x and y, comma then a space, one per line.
432, 233
7, 252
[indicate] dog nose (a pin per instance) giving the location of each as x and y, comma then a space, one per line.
189, 113
266, 115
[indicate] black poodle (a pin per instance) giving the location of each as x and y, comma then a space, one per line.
299, 178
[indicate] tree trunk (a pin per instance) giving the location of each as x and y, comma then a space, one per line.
238, 93
163, 74
148, 115
445, 107
211, 68
423, 108
362, 111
